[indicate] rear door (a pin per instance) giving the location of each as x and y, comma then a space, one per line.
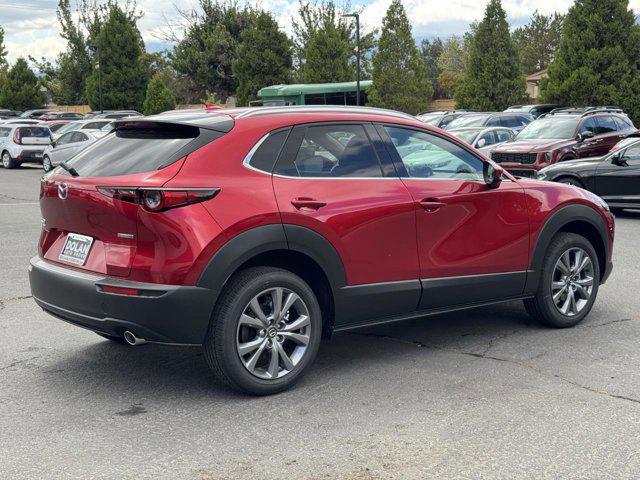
608, 130
473, 241
63, 144
337, 180
619, 182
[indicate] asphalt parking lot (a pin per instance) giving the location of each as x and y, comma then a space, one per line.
476, 394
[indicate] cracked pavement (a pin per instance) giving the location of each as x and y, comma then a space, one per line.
482, 393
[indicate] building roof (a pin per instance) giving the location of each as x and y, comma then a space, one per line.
537, 76
310, 88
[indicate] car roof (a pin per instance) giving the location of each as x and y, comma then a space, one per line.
224, 119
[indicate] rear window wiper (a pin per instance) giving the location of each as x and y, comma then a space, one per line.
72, 171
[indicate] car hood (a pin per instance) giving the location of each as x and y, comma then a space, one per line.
532, 146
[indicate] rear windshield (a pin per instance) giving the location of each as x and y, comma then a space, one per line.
33, 132
134, 150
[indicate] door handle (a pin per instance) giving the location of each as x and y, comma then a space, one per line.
432, 204
308, 203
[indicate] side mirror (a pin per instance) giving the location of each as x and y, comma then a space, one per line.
585, 136
53, 144
492, 175
481, 143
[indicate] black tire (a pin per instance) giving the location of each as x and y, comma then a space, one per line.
220, 347
542, 307
7, 161
570, 181
111, 337
46, 164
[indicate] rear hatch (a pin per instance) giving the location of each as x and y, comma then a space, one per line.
90, 209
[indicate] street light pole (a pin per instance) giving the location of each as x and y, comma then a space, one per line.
96, 48
357, 17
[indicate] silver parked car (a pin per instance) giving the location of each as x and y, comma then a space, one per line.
484, 139
84, 125
21, 143
67, 146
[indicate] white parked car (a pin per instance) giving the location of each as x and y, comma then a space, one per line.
484, 139
67, 146
93, 125
21, 143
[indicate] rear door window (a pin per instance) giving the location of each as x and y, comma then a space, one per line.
333, 151
623, 124
606, 124
138, 149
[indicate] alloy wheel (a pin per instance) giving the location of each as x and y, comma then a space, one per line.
46, 164
273, 333
6, 160
572, 281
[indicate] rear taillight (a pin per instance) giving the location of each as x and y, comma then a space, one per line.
160, 199
16, 137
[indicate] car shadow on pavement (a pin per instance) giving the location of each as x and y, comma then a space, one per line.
113, 369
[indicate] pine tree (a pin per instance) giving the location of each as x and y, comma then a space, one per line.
399, 79
598, 62
122, 59
494, 79
327, 58
3, 51
21, 88
159, 97
262, 59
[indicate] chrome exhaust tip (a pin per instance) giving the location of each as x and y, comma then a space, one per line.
132, 340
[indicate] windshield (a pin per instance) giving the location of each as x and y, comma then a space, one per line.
468, 121
551, 128
465, 135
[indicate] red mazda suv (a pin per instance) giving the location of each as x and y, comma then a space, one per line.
256, 232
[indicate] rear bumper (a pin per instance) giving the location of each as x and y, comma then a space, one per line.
161, 313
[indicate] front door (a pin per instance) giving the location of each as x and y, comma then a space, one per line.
334, 180
618, 177
473, 241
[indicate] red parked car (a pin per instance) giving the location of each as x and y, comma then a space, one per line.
564, 134
255, 232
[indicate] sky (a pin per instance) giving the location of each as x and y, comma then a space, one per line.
31, 27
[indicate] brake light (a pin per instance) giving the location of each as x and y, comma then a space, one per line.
16, 137
159, 199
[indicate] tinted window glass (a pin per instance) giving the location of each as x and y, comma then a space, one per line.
429, 156
4, 132
488, 139
589, 125
503, 135
265, 156
623, 124
64, 139
79, 137
631, 156
133, 150
334, 151
40, 132
606, 125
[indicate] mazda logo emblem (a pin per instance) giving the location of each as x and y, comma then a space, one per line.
63, 191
